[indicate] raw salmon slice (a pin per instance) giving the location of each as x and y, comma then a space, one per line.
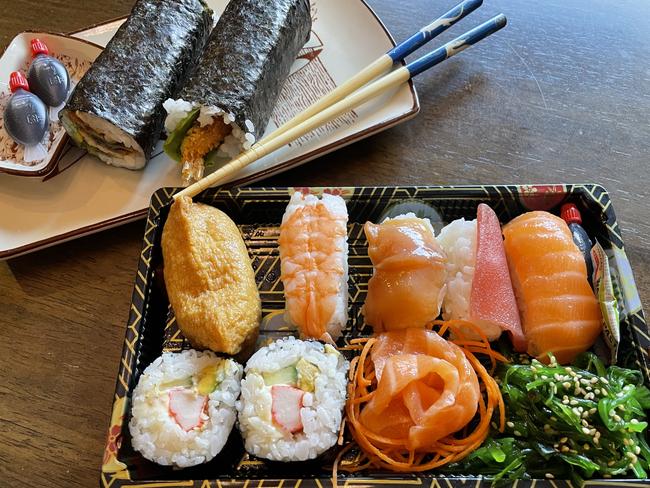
408, 284
559, 311
426, 388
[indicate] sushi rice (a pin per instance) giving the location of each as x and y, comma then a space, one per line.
320, 413
458, 239
155, 432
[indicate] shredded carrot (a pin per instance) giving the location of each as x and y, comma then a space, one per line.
393, 454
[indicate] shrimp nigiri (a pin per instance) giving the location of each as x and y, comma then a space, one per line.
559, 311
314, 265
408, 285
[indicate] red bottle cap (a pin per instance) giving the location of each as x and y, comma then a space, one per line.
17, 80
39, 47
570, 214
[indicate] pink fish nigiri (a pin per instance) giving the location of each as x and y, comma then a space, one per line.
492, 299
479, 289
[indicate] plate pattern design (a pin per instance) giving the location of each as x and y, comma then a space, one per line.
151, 326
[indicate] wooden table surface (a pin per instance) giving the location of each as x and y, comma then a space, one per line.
561, 95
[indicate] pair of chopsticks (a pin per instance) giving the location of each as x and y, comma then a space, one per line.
350, 95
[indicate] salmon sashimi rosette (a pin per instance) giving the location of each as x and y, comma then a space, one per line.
411, 393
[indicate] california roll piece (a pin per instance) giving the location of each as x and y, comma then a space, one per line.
314, 265
292, 400
227, 102
184, 407
116, 111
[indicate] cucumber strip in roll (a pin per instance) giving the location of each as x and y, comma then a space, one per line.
115, 112
236, 83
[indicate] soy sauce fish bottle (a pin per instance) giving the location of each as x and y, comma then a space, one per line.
48, 78
571, 215
26, 118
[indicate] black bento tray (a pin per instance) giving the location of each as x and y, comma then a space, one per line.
258, 211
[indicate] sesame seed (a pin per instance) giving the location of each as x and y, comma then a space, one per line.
547, 427
533, 369
584, 422
549, 476
607, 475
631, 466
566, 385
565, 401
510, 424
617, 418
585, 430
565, 449
604, 380
597, 435
576, 411
619, 394
584, 381
568, 369
611, 463
626, 442
573, 402
494, 425
588, 388
544, 377
596, 440
564, 439
585, 415
593, 432
593, 410
637, 450
589, 396
580, 409
557, 377
611, 413
556, 445
597, 391
594, 380
553, 418
586, 447
517, 433
621, 408
634, 421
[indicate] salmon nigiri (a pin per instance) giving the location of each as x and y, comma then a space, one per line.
426, 388
408, 283
559, 311
314, 265
479, 289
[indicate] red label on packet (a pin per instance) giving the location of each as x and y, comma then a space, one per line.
604, 289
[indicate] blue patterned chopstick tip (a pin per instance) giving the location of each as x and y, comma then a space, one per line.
457, 45
434, 29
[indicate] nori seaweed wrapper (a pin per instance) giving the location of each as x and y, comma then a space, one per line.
248, 57
145, 62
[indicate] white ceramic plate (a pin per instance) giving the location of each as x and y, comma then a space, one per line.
83, 195
76, 55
